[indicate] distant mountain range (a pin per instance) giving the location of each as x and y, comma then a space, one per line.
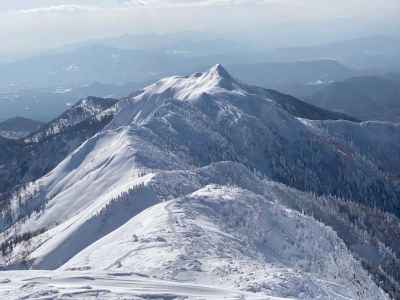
367, 98
30, 103
18, 127
146, 58
80, 65
379, 53
284, 75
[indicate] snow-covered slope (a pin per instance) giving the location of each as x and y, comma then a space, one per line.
81, 111
232, 238
228, 229
211, 117
113, 286
28, 160
188, 140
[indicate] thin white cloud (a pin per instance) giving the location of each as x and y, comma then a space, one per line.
120, 5
117, 5
71, 8
190, 3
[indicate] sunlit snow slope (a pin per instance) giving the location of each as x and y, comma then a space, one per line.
174, 188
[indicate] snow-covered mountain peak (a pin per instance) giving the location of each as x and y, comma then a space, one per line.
173, 188
180, 95
192, 87
220, 71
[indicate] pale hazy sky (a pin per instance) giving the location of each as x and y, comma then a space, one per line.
28, 25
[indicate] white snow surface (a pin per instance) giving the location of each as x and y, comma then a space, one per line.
114, 286
79, 112
233, 238
144, 197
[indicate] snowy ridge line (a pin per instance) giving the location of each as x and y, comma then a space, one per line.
217, 169
204, 236
79, 285
89, 108
175, 188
